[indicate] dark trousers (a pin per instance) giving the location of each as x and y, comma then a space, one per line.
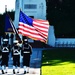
5, 59
26, 60
16, 60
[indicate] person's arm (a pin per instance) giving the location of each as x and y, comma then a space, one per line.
22, 51
30, 49
12, 51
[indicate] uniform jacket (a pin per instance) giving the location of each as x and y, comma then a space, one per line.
26, 49
5, 48
16, 50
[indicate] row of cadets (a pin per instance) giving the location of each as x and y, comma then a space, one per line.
26, 51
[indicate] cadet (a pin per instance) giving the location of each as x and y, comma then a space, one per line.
26, 52
5, 54
16, 56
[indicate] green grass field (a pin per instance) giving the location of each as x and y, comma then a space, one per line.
58, 61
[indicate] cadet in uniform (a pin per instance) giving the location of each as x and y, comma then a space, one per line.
16, 56
5, 55
26, 52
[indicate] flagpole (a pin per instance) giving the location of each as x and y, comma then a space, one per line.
4, 19
12, 25
5, 8
15, 30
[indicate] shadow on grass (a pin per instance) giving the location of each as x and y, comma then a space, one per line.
57, 56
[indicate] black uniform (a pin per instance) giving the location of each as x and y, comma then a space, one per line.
26, 52
16, 55
5, 54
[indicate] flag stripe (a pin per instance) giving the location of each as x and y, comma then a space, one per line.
28, 30
32, 36
31, 30
45, 25
42, 28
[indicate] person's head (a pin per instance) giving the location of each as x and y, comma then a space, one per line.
25, 41
15, 42
5, 41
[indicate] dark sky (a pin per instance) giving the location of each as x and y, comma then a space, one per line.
61, 14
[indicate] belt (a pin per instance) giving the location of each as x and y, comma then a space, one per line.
26, 52
16, 54
5, 51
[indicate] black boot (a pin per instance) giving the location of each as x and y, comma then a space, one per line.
18, 72
13, 71
2, 72
24, 72
27, 71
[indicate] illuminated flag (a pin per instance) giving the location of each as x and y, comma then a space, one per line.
33, 28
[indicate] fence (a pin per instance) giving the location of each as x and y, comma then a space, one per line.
65, 42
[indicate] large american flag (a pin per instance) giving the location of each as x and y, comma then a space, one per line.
35, 29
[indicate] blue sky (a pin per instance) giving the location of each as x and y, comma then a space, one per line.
10, 5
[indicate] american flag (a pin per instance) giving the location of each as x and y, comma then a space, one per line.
35, 29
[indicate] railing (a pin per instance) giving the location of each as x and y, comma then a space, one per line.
65, 42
